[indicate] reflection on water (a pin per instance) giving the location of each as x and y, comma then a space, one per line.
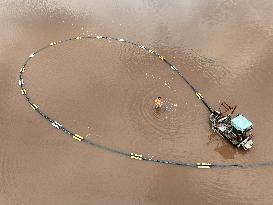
225, 148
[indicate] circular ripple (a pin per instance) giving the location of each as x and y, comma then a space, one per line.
9, 164
164, 121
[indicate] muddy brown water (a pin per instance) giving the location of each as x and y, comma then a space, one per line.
104, 92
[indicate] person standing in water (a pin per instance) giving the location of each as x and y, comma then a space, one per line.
158, 103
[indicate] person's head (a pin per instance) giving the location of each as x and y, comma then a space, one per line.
159, 97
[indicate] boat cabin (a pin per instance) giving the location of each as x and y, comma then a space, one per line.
237, 130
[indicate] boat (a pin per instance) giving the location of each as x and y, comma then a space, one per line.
238, 129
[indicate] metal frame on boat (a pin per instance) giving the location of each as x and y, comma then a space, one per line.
236, 129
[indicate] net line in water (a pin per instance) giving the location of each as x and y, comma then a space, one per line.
136, 156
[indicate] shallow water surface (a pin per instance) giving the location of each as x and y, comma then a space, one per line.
104, 91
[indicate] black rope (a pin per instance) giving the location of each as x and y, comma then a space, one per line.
136, 156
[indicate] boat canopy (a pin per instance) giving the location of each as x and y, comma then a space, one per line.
241, 123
